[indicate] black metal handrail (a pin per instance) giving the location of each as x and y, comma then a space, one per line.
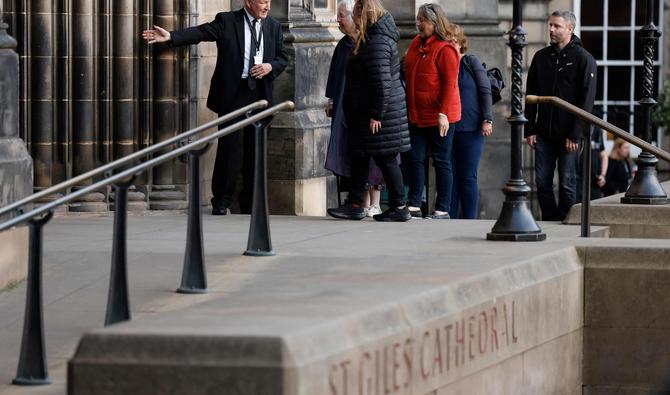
18, 205
32, 367
586, 153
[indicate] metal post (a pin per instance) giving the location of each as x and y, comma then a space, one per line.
259, 243
32, 369
516, 222
586, 182
194, 276
118, 307
645, 188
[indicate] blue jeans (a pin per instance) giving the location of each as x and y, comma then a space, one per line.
467, 151
422, 140
547, 153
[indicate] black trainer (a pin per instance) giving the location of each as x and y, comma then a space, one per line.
394, 214
347, 211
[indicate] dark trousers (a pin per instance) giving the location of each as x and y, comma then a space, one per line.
547, 153
466, 152
390, 168
235, 153
423, 140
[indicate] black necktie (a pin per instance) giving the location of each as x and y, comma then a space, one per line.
252, 53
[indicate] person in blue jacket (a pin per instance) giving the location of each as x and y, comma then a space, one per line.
475, 124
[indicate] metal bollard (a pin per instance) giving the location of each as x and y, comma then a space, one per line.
586, 182
32, 369
259, 243
194, 277
118, 306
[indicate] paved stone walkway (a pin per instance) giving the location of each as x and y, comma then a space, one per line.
362, 264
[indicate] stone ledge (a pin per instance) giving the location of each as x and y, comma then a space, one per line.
413, 345
14, 257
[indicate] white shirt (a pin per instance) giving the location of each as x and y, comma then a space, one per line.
247, 42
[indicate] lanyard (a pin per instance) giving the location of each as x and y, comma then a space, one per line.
256, 40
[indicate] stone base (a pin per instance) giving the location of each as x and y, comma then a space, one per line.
14, 257
299, 197
167, 197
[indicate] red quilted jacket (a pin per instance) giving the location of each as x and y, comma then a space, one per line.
431, 75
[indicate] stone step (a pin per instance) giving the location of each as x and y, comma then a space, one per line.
627, 220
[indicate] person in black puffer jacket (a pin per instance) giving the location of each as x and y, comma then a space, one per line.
375, 111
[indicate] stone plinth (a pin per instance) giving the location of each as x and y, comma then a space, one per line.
329, 320
16, 166
627, 220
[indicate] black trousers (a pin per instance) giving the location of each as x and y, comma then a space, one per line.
390, 168
235, 153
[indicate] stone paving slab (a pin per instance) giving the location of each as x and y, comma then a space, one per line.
350, 267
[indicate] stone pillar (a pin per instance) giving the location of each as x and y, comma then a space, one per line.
16, 166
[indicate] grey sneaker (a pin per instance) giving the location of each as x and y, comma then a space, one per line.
415, 211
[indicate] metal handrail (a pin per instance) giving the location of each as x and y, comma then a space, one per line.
586, 154
261, 104
592, 119
32, 368
148, 164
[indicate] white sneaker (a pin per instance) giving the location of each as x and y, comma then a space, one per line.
415, 211
373, 210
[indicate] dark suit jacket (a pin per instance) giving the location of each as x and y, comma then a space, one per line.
227, 29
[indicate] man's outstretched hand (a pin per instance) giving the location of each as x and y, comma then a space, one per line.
158, 35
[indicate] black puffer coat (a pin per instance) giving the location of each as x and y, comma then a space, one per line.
373, 91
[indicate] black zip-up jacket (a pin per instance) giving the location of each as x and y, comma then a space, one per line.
569, 74
373, 90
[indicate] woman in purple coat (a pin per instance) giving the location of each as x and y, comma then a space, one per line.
337, 159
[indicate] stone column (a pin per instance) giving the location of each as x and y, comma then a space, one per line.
16, 166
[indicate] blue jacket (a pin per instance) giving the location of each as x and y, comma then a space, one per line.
475, 89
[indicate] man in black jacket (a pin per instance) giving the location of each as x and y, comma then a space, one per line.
564, 69
250, 56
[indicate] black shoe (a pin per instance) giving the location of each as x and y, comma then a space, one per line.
394, 214
348, 211
220, 210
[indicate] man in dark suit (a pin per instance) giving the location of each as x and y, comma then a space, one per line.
250, 56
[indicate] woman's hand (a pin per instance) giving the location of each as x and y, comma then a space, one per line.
443, 124
487, 129
375, 126
329, 109
158, 35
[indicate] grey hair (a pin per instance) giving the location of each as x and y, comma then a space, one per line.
567, 15
348, 6
434, 13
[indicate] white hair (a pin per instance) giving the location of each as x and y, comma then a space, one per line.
348, 6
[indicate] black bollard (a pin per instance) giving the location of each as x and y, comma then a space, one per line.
118, 306
194, 276
645, 188
516, 222
32, 369
259, 243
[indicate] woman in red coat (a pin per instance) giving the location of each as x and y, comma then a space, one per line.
433, 106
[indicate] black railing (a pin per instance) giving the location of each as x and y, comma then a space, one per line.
586, 152
32, 368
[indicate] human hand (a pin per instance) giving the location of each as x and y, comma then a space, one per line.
260, 70
157, 35
375, 126
571, 146
487, 129
329, 108
443, 124
531, 140
600, 181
